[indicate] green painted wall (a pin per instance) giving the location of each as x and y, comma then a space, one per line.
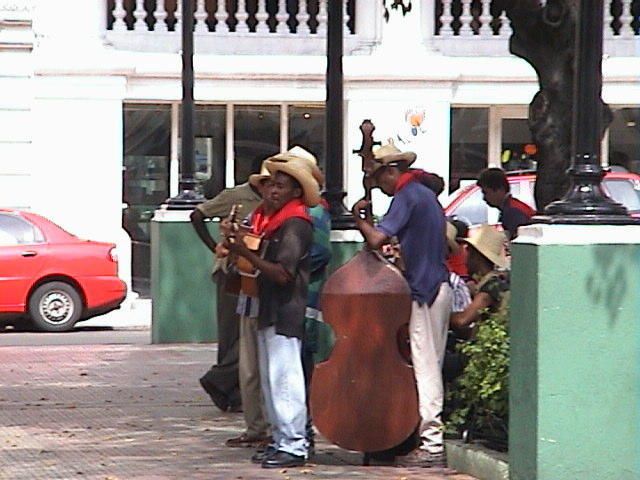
184, 299
575, 383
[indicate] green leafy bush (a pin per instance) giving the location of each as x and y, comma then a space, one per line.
480, 396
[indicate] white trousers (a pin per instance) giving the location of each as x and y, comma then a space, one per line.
428, 334
283, 389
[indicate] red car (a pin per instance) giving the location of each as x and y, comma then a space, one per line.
468, 205
52, 277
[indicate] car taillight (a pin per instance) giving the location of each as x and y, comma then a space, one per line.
113, 254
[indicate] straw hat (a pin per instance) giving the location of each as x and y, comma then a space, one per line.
452, 233
299, 154
389, 154
490, 243
302, 172
256, 178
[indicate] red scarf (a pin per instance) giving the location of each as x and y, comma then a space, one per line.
266, 225
413, 175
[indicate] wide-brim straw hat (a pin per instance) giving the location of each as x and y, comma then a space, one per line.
256, 178
299, 154
301, 171
490, 243
452, 233
388, 155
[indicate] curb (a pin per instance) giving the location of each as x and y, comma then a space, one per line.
477, 460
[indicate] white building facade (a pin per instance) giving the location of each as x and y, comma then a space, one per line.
91, 89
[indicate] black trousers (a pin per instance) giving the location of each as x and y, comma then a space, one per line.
224, 374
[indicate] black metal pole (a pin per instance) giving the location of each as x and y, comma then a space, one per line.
187, 197
586, 202
334, 119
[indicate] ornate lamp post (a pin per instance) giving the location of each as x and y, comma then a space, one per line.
586, 202
334, 120
188, 198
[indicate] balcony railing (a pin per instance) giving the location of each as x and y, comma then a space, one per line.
481, 27
249, 26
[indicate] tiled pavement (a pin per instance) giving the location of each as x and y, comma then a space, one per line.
115, 412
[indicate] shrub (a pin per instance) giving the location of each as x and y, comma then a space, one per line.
480, 396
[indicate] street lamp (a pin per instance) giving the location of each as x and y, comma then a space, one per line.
334, 119
188, 197
586, 202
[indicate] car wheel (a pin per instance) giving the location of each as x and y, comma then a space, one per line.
55, 307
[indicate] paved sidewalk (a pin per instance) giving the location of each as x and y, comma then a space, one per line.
116, 412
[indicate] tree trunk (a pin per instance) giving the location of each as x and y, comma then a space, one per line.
544, 36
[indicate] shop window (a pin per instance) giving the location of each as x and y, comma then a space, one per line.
624, 139
256, 137
209, 148
518, 150
147, 146
469, 144
306, 128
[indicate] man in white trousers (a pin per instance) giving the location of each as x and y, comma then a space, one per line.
416, 218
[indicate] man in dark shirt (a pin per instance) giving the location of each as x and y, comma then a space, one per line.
282, 287
416, 218
497, 193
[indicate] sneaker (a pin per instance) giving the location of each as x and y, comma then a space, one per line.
423, 458
245, 441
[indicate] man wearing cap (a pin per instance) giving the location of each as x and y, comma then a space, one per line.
485, 255
282, 289
416, 218
221, 381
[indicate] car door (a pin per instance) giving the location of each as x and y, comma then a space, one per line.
22, 252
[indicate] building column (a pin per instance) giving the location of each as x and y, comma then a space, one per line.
16, 83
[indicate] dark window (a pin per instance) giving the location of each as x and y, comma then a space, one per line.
256, 137
306, 128
469, 144
624, 139
210, 148
147, 146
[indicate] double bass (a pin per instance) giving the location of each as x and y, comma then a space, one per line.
364, 396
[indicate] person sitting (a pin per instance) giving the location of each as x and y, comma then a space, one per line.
457, 256
485, 257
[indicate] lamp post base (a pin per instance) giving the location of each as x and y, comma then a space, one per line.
187, 199
341, 218
585, 219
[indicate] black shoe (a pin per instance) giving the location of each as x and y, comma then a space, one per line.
219, 398
282, 459
311, 450
262, 454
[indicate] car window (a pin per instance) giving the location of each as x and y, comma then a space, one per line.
17, 231
624, 192
473, 209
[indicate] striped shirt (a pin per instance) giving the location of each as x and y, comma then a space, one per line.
461, 296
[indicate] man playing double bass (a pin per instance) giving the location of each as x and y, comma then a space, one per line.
416, 218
